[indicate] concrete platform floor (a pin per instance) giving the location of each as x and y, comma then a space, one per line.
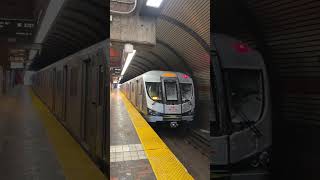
35, 146
127, 157
25, 152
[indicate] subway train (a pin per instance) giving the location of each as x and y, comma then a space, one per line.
162, 97
7, 80
1, 81
241, 130
75, 91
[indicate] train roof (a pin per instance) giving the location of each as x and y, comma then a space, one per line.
155, 75
82, 53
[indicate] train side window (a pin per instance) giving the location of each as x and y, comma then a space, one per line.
59, 87
100, 84
171, 91
141, 87
154, 90
186, 91
245, 92
73, 82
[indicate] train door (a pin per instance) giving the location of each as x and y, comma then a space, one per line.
94, 106
130, 91
54, 90
1, 80
171, 94
65, 93
85, 99
139, 92
134, 88
101, 108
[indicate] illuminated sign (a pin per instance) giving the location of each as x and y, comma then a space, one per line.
241, 47
169, 75
16, 27
15, 65
185, 76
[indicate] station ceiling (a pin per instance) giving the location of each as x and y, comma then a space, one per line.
183, 43
79, 24
13, 12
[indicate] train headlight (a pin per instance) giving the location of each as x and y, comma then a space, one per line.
155, 98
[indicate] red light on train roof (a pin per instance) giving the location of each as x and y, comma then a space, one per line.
241, 47
185, 76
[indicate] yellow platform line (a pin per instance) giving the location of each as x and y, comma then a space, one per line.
164, 163
75, 163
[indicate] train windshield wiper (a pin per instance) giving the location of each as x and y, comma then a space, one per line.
248, 124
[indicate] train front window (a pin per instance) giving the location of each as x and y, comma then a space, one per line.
186, 92
154, 90
171, 91
245, 96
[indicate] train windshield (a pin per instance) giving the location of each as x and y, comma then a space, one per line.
245, 94
186, 92
154, 90
171, 91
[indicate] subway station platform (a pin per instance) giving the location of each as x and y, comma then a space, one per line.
136, 151
34, 145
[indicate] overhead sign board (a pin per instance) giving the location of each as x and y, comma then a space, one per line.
15, 65
18, 28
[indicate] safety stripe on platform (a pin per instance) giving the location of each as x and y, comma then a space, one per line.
164, 163
73, 159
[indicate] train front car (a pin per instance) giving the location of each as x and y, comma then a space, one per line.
242, 129
169, 97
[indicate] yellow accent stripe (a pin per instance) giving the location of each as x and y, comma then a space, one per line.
164, 163
74, 161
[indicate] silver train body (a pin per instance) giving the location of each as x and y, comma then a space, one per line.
242, 128
162, 96
1, 81
6, 80
74, 90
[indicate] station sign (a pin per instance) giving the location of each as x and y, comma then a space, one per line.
16, 65
17, 55
18, 28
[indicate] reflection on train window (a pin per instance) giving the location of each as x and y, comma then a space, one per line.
154, 90
244, 88
171, 91
73, 81
186, 91
100, 84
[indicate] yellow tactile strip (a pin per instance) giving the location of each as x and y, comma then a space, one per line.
163, 162
74, 161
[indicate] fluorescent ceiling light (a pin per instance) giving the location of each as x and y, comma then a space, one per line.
46, 23
51, 13
32, 54
154, 3
128, 61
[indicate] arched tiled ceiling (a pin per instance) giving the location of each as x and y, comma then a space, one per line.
183, 42
79, 24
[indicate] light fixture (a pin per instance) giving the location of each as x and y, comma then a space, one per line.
128, 61
154, 3
52, 12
